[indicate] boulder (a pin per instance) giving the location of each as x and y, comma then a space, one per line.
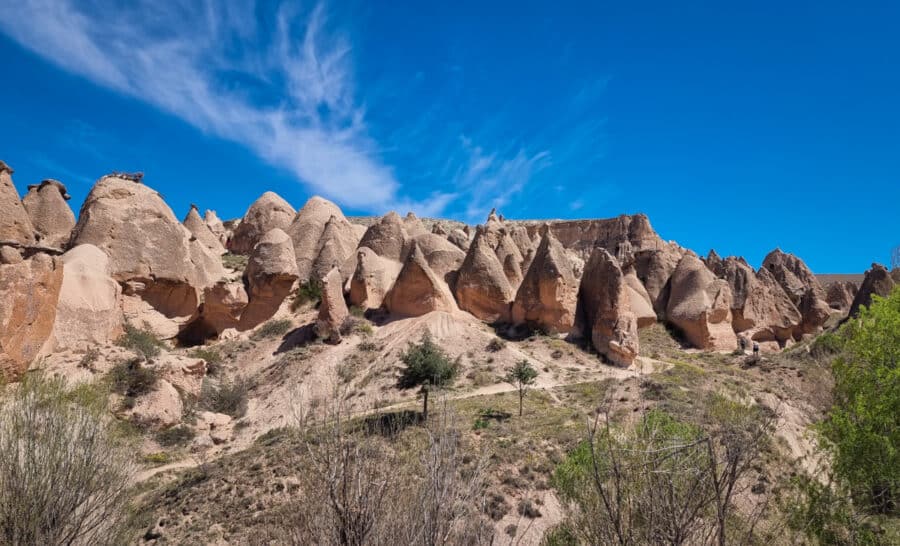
418, 290
50, 215
223, 304
10, 255
604, 309
307, 230
160, 408
482, 287
548, 295
29, 291
333, 309
201, 232
387, 238
89, 309
15, 225
878, 281
638, 299
268, 212
270, 274
147, 244
700, 305
372, 279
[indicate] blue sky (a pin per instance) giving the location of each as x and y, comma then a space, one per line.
739, 126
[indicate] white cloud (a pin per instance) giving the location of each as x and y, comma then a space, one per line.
174, 58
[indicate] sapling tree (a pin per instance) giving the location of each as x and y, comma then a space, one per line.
428, 367
521, 376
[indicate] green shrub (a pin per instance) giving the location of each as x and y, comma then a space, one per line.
273, 328
211, 356
368, 346
234, 261
309, 292
222, 396
131, 378
143, 342
427, 366
180, 435
158, 458
357, 312
496, 345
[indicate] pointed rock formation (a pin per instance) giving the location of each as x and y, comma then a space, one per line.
418, 290
459, 238
387, 237
509, 255
29, 291
654, 268
50, 215
604, 306
413, 226
216, 226
801, 287
333, 309
268, 212
443, 257
482, 287
840, 295
700, 305
523, 241
270, 274
201, 231
878, 281
548, 294
15, 225
89, 309
638, 299
307, 230
372, 279
337, 248
147, 246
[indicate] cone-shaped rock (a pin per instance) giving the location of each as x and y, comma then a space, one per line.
308, 228
216, 226
200, 230
654, 268
333, 309
443, 257
459, 238
336, 248
269, 276
605, 307
878, 281
372, 279
840, 295
700, 305
268, 212
548, 294
50, 215
418, 290
29, 291
387, 237
413, 226
15, 225
89, 311
481, 284
802, 287
638, 299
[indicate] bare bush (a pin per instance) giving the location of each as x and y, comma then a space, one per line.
63, 477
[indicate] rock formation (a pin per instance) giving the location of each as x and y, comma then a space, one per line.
50, 215
638, 298
700, 305
29, 291
801, 287
459, 238
333, 309
654, 268
387, 237
372, 279
307, 230
202, 233
216, 226
583, 236
840, 295
268, 212
443, 257
878, 281
337, 248
15, 225
270, 274
548, 295
482, 287
604, 309
413, 226
418, 290
89, 309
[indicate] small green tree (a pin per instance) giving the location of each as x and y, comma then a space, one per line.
521, 376
427, 367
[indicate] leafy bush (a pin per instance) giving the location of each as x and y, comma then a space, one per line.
309, 292
237, 262
228, 397
273, 328
496, 345
175, 436
368, 346
427, 366
357, 311
132, 379
212, 358
143, 342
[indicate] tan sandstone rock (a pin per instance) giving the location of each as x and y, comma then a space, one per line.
160, 408
307, 230
270, 274
459, 238
604, 307
802, 287
337, 248
89, 309
482, 287
215, 225
372, 279
387, 238
268, 212
840, 295
418, 290
29, 292
333, 309
50, 215
878, 281
700, 305
15, 225
654, 268
548, 295
200, 230
638, 299
413, 226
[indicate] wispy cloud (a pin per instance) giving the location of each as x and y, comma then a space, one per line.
298, 110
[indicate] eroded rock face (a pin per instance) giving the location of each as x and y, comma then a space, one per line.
201, 231
15, 225
223, 304
418, 290
89, 309
215, 225
878, 281
414, 227
482, 287
387, 238
50, 215
268, 212
583, 236
840, 295
270, 274
459, 238
700, 305
372, 279
337, 248
29, 291
548, 294
654, 268
333, 309
147, 244
160, 408
604, 308
802, 288
307, 231
443, 257
639, 299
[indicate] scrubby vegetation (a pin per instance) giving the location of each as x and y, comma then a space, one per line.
237, 262
273, 328
131, 378
428, 367
224, 396
141, 341
308, 293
